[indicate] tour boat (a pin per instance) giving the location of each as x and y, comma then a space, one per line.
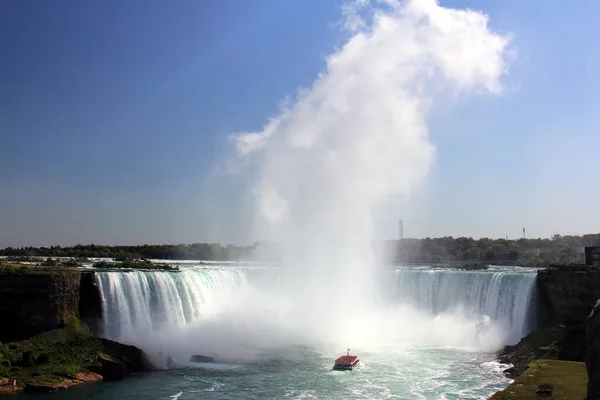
346, 363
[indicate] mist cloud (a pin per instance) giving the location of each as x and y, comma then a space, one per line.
359, 133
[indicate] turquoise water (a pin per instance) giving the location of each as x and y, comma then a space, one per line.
432, 335
410, 373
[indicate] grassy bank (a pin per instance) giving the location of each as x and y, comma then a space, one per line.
62, 358
569, 379
8, 268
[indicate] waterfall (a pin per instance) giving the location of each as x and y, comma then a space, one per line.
502, 296
197, 307
138, 303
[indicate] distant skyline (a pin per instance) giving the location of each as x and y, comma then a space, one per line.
114, 119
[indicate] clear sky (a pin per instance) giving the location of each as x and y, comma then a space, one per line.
113, 114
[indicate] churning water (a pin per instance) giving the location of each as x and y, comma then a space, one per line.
444, 326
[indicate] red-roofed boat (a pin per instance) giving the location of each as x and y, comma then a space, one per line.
346, 363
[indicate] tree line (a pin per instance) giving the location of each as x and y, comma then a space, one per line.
195, 251
558, 249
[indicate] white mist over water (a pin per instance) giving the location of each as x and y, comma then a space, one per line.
321, 167
356, 137
224, 312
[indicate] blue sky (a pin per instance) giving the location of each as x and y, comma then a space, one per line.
113, 114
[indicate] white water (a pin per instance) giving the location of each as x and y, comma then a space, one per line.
319, 171
432, 338
502, 297
137, 304
224, 310
322, 169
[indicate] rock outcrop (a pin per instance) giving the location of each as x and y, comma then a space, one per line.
592, 354
33, 303
63, 358
90, 303
556, 343
567, 294
201, 359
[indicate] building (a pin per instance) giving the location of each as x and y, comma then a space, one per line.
592, 255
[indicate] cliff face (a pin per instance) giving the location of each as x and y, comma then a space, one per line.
32, 303
90, 303
592, 354
35, 303
567, 295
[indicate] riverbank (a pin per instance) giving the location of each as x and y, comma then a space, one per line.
558, 348
568, 380
63, 358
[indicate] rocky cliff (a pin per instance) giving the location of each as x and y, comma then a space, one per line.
65, 357
567, 294
34, 301
592, 354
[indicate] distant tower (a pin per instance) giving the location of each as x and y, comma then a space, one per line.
401, 229
523, 232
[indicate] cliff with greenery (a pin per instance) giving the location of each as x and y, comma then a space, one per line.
66, 357
566, 336
568, 380
49, 313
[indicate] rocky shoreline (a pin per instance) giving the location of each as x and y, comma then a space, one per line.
49, 339
567, 338
66, 357
49, 333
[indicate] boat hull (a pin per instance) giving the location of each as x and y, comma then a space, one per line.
346, 367
346, 363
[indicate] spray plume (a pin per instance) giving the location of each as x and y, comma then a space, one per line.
357, 136
321, 166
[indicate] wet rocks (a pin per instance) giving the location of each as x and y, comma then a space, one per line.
200, 358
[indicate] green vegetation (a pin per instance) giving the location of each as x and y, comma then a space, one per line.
569, 379
51, 357
16, 268
196, 251
56, 357
443, 251
135, 264
525, 252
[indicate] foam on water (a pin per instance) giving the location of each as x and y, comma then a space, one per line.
235, 314
504, 298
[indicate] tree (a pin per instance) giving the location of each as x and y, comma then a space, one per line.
473, 254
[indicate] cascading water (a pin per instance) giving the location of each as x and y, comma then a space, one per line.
429, 328
143, 308
506, 298
139, 303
